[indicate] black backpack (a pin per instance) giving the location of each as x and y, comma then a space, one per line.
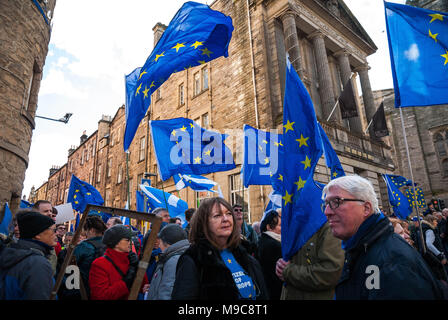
100, 248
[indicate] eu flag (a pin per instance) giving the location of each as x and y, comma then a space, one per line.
136, 110
81, 193
418, 47
196, 182
196, 35
25, 204
261, 154
182, 146
160, 199
331, 158
399, 202
301, 206
413, 200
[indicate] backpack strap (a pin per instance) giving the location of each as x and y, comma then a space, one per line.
116, 267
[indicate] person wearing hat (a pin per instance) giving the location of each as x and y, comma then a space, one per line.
269, 251
173, 243
111, 276
28, 272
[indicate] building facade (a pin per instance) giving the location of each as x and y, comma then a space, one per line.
25, 29
325, 44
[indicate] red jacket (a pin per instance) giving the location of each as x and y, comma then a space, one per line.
104, 280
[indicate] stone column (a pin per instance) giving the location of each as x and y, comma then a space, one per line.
325, 84
346, 72
367, 94
292, 41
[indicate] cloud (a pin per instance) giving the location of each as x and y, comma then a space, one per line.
57, 82
412, 54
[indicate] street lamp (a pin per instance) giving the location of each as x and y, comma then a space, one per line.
64, 119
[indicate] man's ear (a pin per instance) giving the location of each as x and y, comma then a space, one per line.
368, 209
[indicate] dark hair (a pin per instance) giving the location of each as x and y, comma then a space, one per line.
95, 222
189, 213
39, 202
116, 220
200, 226
173, 220
236, 205
270, 220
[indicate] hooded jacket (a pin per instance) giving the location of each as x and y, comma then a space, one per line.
26, 272
163, 279
202, 275
381, 265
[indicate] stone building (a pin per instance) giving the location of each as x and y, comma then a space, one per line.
25, 29
325, 43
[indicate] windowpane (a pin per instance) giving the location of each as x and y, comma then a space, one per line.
440, 147
205, 121
142, 149
205, 78
197, 83
181, 94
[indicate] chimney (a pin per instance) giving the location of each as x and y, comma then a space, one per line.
71, 150
53, 170
158, 29
83, 137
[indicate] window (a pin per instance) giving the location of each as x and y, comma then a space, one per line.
158, 94
205, 121
201, 195
93, 149
98, 177
198, 121
120, 173
141, 154
118, 135
108, 198
139, 178
181, 95
82, 156
112, 139
197, 84
237, 196
204, 78
109, 167
91, 177
441, 146
88, 153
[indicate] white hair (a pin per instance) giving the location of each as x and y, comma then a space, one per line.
359, 187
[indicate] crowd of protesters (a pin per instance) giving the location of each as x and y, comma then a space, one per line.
360, 252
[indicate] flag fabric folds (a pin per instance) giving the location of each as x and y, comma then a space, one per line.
301, 206
196, 35
418, 48
347, 101
6, 221
399, 202
136, 110
413, 200
261, 154
379, 125
182, 146
25, 204
196, 182
82, 193
160, 199
331, 158
275, 202
103, 215
141, 204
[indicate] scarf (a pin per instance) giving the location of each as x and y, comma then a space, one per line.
274, 235
362, 230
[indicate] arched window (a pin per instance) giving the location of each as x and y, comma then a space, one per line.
440, 145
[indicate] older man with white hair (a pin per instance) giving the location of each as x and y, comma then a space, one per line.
379, 264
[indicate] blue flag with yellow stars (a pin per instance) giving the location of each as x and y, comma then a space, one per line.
418, 48
419, 199
182, 146
81, 193
25, 204
141, 204
136, 110
301, 206
261, 154
399, 202
196, 35
331, 158
103, 215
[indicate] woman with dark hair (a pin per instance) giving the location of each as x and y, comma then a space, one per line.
269, 251
216, 266
91, 248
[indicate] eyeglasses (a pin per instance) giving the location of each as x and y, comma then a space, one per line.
336, 202
238, 210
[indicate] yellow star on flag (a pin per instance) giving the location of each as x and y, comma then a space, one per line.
302, 141
300, 184
306, 162
201, 61
178, 46
159, 55
76, 202
74, 197
183, 128
197, 160
208, 152
145, 92
280, 177
434, 36
206, 52
229, 261
335, 174
197, 44
173, 132
445, 56
287, 197
88, 193
191, 125
435, 16
141, 74
138, 89
288, 126
278, 144
152, 84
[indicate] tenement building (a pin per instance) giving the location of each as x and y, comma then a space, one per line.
25, 29
326, 45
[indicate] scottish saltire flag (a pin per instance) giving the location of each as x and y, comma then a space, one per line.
159, 199
196, 35
275, 202
301, 206
418, 200
6, 221
261, 153
196, 182
25, 204
400, 204
418, 48
182, 146
137, 111
331, 158
82, 193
